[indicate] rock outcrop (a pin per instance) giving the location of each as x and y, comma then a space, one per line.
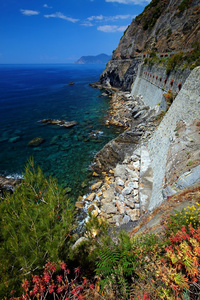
7, 184
164, 27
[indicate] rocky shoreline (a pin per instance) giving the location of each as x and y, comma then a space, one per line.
114, 195
7, 184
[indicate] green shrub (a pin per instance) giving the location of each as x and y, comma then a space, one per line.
35, 223
117, 262
173, 61
184, 5
169, 33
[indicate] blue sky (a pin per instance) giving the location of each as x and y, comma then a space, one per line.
61, 31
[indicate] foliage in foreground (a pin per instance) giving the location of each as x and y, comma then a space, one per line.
137, 268
149, 267
49, 285
35, 223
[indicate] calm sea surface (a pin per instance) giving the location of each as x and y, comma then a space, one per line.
29, 93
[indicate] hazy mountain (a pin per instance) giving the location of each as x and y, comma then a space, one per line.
98, 59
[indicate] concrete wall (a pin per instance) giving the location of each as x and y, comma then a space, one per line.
152, 83
186, 107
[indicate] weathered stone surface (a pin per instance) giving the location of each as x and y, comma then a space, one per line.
188, 178
168, 191
109, 208
127, 191
121, 197
120, 182
120, 207
118, 189
131, 173
133, 184
137, 205
8, 183
94, 210
136, 165
126, 219
118, 220
134, 214
109, 194
79, 204
90, 197
120, 171
185, 107
96, 185
130, 204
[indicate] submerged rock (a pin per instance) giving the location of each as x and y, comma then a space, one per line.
59, 122
36, 142
14, 139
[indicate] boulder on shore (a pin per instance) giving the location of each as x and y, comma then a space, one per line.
8, 184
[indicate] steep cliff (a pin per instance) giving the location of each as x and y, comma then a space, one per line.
164, 26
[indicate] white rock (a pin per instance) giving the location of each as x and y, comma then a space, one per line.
136, 165
120, 182
121, 197
130, 204
127, 191
133, 185
120, 171
126, 219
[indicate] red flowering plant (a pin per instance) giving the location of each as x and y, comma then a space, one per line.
172, 267
53, 284
169, 97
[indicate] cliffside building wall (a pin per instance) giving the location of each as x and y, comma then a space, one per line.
152, 83
186, 109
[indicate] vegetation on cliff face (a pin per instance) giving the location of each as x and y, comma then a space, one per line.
181, 60
151, 14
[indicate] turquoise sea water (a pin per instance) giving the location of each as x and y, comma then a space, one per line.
29, 93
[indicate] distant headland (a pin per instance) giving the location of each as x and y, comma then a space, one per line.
98, 59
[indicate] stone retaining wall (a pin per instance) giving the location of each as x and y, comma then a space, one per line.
186, 108
152, 83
